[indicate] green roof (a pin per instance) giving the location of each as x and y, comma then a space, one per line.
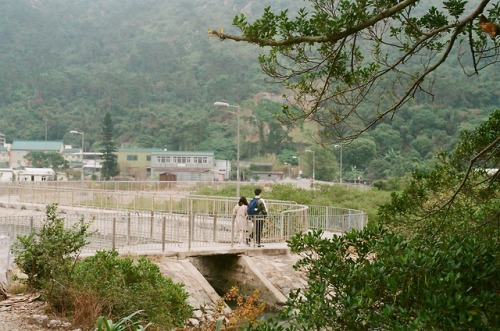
36, 145
139, 150
192, 153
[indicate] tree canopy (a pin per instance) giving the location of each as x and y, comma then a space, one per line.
110, 159
431, 263
42, 159
351, 63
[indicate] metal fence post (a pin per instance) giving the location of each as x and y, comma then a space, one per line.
163, 233
128, 228
190, 224
113, 239
232, 230
151, 225
214, 228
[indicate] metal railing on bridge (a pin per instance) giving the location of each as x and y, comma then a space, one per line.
139, 221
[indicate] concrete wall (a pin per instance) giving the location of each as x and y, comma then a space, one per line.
5, 259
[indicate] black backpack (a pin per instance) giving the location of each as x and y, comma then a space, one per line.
253, 208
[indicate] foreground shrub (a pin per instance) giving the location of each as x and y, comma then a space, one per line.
102, 285
125, 285
380, 280
126, 323
48, 256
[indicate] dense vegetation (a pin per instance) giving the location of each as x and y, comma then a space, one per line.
102, 285
152, 66
431, 263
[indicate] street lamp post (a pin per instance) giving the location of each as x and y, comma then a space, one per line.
225, 104
81, 155
340, 171
314, 161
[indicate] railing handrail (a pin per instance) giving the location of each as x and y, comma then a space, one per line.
167, 215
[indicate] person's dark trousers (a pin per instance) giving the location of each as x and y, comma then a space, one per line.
259, 223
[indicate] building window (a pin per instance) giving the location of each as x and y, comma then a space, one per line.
148, 157
163, 159
181, 159
200, 159
132, 158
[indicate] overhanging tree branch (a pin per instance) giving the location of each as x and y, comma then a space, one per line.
316, 39
325, 61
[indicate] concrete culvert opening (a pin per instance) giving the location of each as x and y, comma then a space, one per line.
225, 271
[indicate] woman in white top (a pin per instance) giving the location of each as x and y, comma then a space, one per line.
240, 219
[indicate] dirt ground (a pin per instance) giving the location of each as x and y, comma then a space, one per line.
19, 313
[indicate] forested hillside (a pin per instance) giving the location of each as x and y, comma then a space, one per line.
151, 64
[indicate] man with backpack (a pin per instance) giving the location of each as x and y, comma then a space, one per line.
257, 212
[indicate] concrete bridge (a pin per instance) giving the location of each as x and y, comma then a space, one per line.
212, 273
191, 238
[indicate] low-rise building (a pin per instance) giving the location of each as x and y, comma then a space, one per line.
35, 175
20, 148
135, 162
73, 156
6, 175
186, 166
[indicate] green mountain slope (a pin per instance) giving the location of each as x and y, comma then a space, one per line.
150, 63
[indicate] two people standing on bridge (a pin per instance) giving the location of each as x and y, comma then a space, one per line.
255, 211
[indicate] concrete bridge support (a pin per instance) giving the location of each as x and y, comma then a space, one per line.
206, 277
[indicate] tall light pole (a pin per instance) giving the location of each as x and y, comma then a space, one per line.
237, 113
314, 161
81, 155
340, 171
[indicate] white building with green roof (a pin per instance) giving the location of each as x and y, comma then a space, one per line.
20, 148
189, 166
